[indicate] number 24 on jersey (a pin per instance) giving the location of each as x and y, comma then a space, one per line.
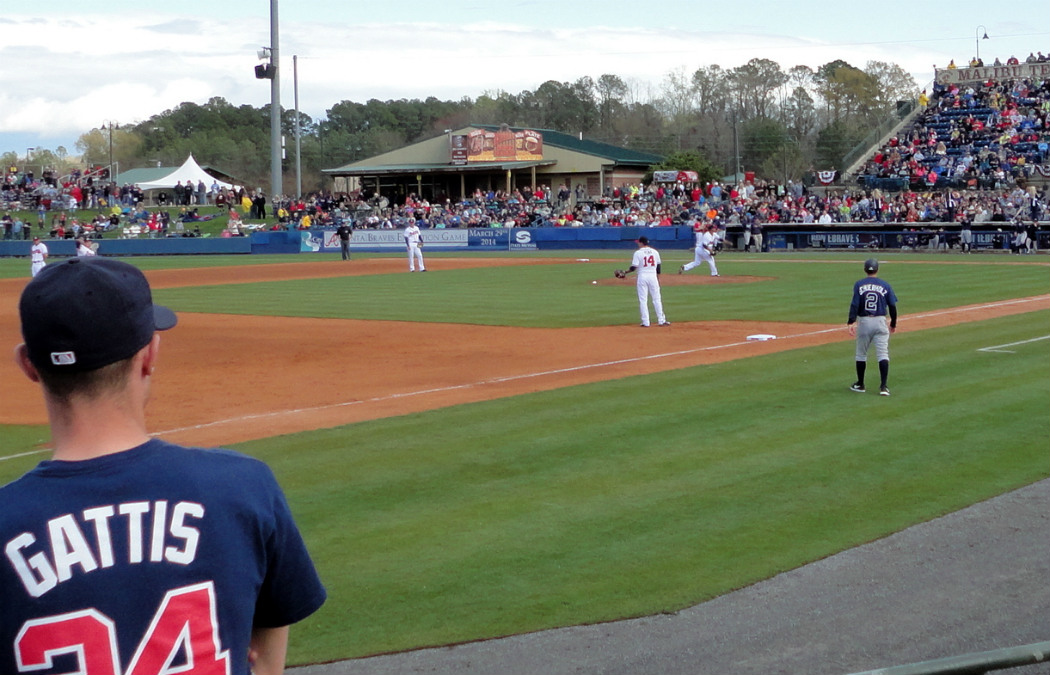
185, 623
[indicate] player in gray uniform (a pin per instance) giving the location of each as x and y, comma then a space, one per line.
872, 300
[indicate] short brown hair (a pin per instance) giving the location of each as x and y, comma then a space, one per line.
89, 384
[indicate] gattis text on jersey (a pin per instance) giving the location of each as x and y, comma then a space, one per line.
154, 533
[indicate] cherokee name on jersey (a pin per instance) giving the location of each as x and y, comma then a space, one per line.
872, 288
155, 532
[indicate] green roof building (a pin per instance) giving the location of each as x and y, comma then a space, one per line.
496, 157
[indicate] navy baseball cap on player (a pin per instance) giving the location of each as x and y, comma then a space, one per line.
871, 265
644, 241
85, 313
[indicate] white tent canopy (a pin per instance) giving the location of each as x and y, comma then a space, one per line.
189, 173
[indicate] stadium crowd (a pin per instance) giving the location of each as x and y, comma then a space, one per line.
969, 157
989, 135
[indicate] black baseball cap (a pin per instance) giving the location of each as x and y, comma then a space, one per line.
85, 313
643, 240
871, 265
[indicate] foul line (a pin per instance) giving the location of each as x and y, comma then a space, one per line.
526, 376
999, 348
482, 383
24, 454
959, 310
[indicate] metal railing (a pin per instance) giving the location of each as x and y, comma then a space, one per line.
973, 664
903, 115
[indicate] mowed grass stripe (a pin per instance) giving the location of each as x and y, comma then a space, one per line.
650, 493
562, 296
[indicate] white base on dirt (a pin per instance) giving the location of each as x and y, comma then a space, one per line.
761, 337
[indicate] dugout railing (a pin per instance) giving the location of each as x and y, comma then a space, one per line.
973, 664
926, 237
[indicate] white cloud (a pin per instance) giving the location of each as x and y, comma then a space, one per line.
76, 71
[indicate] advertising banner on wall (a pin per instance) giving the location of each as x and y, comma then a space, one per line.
488, 238
326, 241
458, 148
521, 240
1022, 71
675, 176
504, 145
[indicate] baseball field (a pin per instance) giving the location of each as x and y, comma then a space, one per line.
495, 446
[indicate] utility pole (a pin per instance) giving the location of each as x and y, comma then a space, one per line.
736, 155
276, 182
298, 132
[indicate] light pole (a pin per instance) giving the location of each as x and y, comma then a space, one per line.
271, 71
275, 106
28, 152
977, 39
298, 132
108, 124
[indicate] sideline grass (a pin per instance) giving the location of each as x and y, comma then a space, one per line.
583, 504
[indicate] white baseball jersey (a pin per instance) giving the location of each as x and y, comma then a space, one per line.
37, 258
645, 261
37, 253
414, 240
709, 240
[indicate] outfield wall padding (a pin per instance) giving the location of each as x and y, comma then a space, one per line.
995, 236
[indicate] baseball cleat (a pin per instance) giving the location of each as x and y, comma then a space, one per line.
883, 391
857, 386
644, 325
681, 270
666, 323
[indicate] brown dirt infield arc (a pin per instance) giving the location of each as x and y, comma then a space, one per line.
229, 378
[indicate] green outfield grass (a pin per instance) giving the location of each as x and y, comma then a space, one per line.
645, 494
562, 295
653, 493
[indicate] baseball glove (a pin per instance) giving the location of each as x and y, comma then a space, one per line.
620, 274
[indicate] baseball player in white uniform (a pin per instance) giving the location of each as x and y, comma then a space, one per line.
414, 244
646, 262
706, 241
37, 256
84, 249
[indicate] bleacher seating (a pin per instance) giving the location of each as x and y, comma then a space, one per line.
985, 135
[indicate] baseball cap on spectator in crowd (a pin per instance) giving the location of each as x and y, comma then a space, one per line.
86, 313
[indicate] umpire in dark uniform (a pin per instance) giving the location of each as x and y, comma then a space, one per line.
873, 300
344, 232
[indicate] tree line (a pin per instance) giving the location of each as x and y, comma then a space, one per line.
779, 123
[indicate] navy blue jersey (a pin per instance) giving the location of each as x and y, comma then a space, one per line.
147, 561
871, 297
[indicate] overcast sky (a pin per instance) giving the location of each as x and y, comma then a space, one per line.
79, 64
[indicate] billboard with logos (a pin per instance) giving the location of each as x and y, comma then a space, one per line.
504, 145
